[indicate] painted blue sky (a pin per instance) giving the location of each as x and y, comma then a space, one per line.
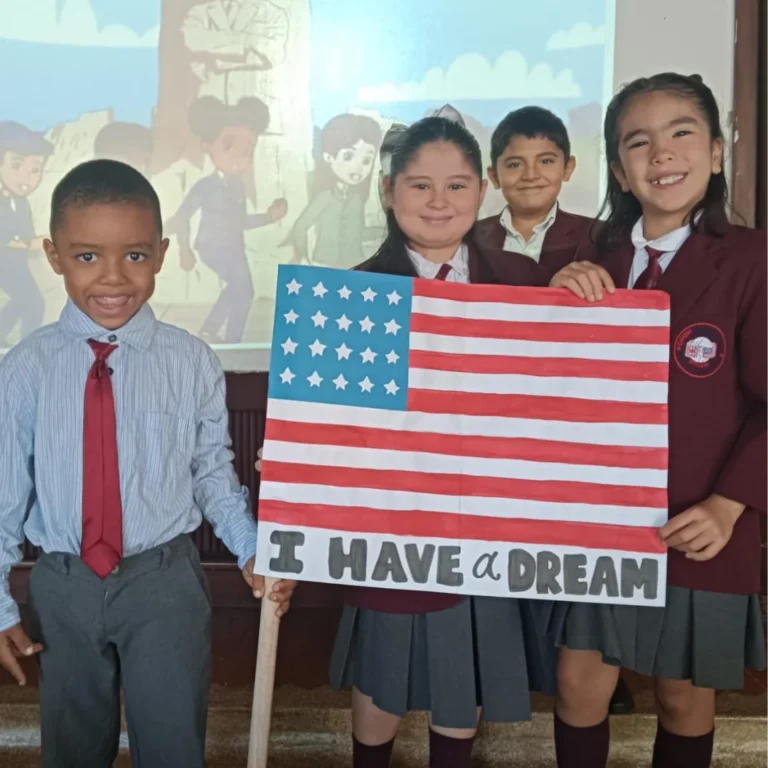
355, 43
400, 40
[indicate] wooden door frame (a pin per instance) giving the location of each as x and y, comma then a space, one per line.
748, 101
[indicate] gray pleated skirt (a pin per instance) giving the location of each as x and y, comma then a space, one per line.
484, 652
709, 638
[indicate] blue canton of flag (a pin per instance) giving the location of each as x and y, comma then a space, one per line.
341, 337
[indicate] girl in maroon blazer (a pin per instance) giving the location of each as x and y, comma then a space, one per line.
667, 230
444, 653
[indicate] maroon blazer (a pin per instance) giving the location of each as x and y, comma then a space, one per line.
568, 235
717, 393
488, 266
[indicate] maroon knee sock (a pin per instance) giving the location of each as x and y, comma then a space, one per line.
671, 751
364, 756
445, 752
581, 747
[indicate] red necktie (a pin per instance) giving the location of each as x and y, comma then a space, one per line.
102, 542
651, 274
442, 273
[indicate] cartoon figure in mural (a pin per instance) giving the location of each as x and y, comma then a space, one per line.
23, 154
129, 143
229, 135
342, 182
234, 45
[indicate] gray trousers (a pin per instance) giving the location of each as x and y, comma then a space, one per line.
146, 626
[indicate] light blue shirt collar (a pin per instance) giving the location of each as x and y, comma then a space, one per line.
137, 332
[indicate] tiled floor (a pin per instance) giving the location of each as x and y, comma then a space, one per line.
312, 728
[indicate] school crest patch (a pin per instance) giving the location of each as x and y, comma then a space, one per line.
699, 350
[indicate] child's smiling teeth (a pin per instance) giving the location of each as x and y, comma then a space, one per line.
667, 180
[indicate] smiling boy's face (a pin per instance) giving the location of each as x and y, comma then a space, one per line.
108, 255
530, 174
20, 174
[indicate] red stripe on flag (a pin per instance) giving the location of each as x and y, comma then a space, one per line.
524, 449
436, 525
536, 407
539, 366
557, 491
549, 332
539, 297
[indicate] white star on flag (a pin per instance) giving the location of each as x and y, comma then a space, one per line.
319, 319
314, 379
369, 295
289, 346
344, 323
293, 287
366, 385
344, 292
343, 352
366, 324
319, 290
368, 355
392, 357
291, 317
340, 382
392, 327
317, 348
394, 298
392, 388
287, 376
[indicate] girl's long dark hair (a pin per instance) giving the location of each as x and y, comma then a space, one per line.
623, 207
427, 131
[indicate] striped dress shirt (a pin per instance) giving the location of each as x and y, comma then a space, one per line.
173, 441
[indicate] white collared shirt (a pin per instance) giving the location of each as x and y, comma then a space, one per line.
428, 269
515, 242
670, 244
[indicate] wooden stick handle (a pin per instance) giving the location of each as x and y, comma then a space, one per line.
264, 683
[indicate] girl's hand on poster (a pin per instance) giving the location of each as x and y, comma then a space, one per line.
187, 259
703, 529
588, 281
260, 454
278, 210
281, 593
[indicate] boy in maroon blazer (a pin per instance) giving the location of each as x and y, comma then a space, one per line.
530, 159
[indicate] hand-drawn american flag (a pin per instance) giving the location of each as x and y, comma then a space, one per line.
434, 410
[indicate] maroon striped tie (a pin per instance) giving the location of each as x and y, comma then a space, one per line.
442, 273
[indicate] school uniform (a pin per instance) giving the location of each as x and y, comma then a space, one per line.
25, 302
555, 242
710, 628
444, 653
134, 608
220, 244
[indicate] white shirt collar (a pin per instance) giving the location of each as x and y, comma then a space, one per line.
506, 222
672, 241
428, 269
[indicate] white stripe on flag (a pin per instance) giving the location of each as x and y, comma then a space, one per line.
543, 386
460, 345
629, 435
418, 462
531, 313
396, 501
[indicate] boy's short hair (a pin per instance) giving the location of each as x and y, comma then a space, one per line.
101, 182
533, 123
15, 137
